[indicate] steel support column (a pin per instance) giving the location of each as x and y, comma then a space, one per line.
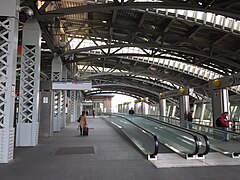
28, 123
64, 97
202, 113
8, 59
174, 109
158, 111
78, 104
58, 99
73, 97
124, 108
143, 108
127, 108
136, 107
220, 103
184, 109
162, 107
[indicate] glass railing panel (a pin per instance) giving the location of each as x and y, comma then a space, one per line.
143, 140
179, 141
169, 120
226, 142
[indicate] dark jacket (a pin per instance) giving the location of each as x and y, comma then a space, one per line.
189, 116
131, 111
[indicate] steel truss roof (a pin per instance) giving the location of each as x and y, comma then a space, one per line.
150, 27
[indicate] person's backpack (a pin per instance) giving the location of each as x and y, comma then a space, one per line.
218, 122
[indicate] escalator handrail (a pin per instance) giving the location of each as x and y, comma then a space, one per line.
194, 137
156, 145
207, 143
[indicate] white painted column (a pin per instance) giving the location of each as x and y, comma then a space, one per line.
143, 108
64, 96
58, 103
73, 97
78, 101
8, 59
184, 109
220, 103
28, 122
162, 107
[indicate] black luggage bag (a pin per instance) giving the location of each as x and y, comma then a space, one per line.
85, 131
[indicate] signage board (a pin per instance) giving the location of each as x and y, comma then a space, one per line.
71, 85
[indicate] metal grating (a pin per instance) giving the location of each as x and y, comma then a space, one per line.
75, 150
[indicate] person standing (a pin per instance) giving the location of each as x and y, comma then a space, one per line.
131, 111
190, 119
235, 120
82, 122
224, 125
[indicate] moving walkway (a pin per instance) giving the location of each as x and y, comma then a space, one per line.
230, 148
154, 137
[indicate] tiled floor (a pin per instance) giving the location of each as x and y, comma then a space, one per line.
111, 158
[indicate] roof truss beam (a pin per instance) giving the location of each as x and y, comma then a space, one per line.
139, 5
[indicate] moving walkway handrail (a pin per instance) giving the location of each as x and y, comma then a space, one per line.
156, 145
217, 129
179, 129
207, 143
201, 125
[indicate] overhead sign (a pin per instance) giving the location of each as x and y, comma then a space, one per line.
71, 85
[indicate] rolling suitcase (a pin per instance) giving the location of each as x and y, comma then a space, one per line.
85, 131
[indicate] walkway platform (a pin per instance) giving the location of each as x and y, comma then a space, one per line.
103, 155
